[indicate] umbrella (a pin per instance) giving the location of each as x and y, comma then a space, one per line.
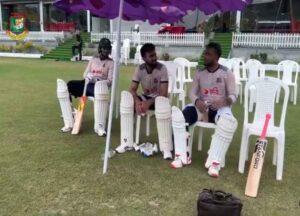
155, 11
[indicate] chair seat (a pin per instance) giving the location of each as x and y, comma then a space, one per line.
188, 80
290, 83
205, 124
272, 131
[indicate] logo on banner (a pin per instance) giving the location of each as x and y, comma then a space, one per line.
17, 29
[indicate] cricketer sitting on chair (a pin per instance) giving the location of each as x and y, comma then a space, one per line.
99, 72
153, 77
212, 94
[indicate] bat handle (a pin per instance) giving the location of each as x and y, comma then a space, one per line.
265, 128
86, 82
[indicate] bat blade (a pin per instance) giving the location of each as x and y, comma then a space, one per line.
79, 116
256, 166
257, 161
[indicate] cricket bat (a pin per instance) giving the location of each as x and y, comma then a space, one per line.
257, 162
80, 110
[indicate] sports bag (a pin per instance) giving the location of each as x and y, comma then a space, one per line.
218, 203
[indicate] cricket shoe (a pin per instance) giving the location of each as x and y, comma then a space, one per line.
66, 129
124, 148
101, 132
177, 163
214, 169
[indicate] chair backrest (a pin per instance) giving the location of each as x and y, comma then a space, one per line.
238, 66
288, 67
225, 62
185, 68
266, 90
114, 50
254, 69
172, 68
126, 42
138, 56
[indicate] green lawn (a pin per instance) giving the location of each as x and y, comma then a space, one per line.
45, 172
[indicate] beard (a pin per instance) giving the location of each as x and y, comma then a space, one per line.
208, 64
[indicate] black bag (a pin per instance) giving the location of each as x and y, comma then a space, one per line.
218, 203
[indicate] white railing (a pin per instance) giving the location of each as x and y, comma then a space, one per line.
269, 40
36, 36
190, 39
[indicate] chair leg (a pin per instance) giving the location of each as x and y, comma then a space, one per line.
137, 129
171, 98
295, 95
243, 151
148, 125
251, 103
280, 157
200, 138
241, 93
278, 95
191, 139
275, 152
183, 103
292, 94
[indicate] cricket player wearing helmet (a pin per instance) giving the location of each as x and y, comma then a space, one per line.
99, 72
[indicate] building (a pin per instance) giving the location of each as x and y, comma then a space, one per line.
261, 16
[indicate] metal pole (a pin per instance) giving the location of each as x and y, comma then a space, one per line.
238, 21
111, 26
88, 20
113, 92
41, 16
1, 27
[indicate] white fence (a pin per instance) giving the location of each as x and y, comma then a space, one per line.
190, 39
269, 40
36, 36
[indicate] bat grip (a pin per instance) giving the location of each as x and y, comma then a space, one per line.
265, 128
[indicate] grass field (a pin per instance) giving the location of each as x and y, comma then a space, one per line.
45, 172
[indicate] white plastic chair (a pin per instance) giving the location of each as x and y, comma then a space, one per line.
225, 62
114, 51
254, 70
285, 72
125, 51
138, 57
202, 125
176, 88
265, 103
238, 65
